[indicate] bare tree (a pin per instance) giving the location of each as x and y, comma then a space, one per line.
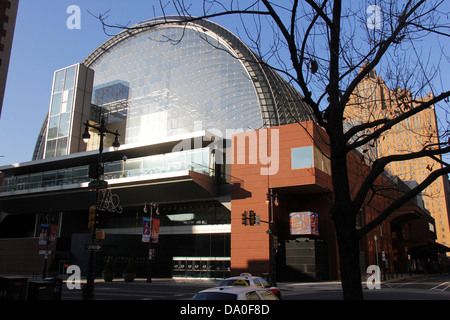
326, 49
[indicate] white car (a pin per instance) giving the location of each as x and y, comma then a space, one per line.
246, 279
234, 293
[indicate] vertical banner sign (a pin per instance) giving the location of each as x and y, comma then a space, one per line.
43, 236
53, 232
315, 224
146, 230
155, 230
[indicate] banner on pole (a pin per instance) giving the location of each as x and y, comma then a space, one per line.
146, 230
43, 236
155, 230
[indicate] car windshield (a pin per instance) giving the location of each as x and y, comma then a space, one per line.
233, 282
215, 296
265, 283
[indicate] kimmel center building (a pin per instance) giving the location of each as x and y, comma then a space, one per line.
207, 134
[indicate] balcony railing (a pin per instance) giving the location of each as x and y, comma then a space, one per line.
151, 167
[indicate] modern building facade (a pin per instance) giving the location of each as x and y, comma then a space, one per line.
373, 100
174, 92
295, 237
184, 98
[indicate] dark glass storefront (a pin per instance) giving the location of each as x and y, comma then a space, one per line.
194, 241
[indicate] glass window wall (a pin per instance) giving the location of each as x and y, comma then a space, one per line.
173, 86
195, 160
60, 113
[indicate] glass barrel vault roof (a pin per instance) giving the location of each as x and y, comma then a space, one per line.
185, 77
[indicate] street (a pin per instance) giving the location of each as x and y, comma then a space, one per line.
139, 289
436, 287
408, 288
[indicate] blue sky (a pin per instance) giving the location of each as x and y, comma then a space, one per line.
43, 44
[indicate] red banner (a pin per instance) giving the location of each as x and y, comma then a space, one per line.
155, 230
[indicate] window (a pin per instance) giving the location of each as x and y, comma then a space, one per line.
302, 157
266, 295
257, 283
265, 283
252, 296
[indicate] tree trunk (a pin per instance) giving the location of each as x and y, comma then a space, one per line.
349, 262
344, 217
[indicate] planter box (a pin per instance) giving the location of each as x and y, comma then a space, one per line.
129, 277
108, 276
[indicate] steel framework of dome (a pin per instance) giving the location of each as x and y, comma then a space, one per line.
279, 102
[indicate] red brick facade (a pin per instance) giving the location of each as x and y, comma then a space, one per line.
309, 189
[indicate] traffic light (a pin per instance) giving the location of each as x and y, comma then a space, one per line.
95, 170
92, 217
275, 242
244, 218
252, 217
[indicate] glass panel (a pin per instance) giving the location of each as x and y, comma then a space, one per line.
35, 180
64, 176
69, 101
50, 149
49, 179
113, 166
59, 81
80, 174
70, 78
9, 184
52, 128
133, 167
252, 296
22, 182
61, 147
56, 104
302, 157
175, 161
64, 125
153, 164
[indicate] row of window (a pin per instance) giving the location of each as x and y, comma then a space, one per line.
172, 85
195, 160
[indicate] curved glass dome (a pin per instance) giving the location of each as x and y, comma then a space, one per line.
177, 88
184, 77
166, 76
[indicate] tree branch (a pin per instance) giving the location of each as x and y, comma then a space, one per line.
383, 47
380, 164
402, 200
389, 124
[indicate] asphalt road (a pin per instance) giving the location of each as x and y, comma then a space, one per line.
158, 289
436, 287
408, 288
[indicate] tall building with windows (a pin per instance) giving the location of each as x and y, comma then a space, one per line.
8, 13
373, 100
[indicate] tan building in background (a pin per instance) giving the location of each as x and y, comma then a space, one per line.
373, 100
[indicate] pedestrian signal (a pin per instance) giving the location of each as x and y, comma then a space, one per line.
92, 217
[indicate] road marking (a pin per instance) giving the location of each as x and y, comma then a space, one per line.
442, 284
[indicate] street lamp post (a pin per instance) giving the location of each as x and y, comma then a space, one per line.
375, 237
271, 200
102, 131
